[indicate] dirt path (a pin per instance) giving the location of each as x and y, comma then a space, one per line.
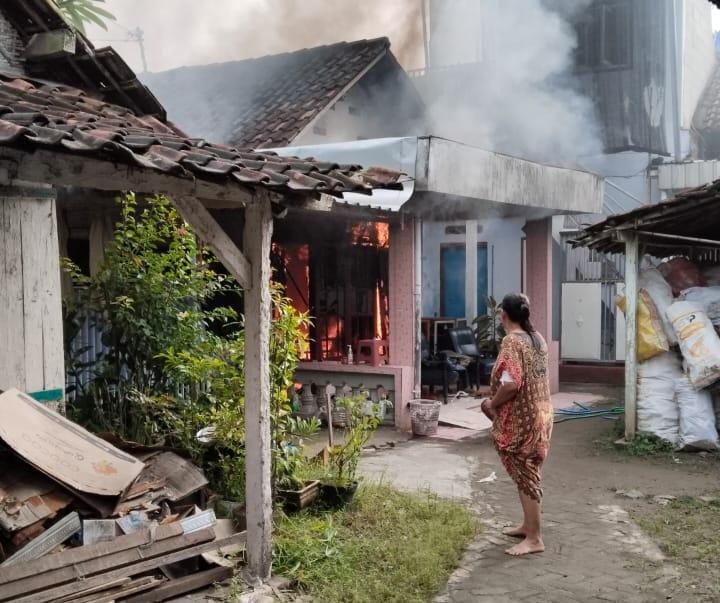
594, 550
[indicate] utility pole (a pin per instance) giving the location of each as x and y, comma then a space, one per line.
138, 35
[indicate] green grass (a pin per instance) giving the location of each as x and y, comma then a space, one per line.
688, 532
387, 546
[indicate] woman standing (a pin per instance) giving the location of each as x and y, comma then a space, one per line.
522, 414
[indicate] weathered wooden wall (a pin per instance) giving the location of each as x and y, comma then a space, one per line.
31, 336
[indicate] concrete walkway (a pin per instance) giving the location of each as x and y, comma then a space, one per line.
594, 550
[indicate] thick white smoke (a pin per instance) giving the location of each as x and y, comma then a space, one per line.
521, 96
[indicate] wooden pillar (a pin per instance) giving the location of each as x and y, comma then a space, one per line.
258, 309
31, 335
632, 260
101, 233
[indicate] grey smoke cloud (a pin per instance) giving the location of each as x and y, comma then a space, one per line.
520, 98
197, 32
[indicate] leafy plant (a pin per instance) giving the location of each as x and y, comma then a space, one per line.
80, 12
362, 419
150, 295
648, 444
172, 364
488, 329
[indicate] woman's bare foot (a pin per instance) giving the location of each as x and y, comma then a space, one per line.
518, 532
526, 547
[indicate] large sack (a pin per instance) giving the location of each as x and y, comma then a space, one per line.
697, 417
651, 339
661, 294
666, 366
699, 343
681, 274
711, 275
708, 297
657, 410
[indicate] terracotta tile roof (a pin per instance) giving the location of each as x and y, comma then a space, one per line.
42, 115
264, 102
707, 114
100, 71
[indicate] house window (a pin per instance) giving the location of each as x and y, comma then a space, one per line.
604, 36
353, 110
455, 229
320, 130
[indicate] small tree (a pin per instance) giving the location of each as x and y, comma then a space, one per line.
172, 366
149, 295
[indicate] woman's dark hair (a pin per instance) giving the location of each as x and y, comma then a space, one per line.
517, 308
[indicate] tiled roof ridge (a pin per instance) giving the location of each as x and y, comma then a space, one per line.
308, 49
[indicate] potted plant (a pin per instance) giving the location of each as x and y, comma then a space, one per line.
293, 490
362, 418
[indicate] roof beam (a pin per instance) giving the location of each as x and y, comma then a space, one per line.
680, 238
60, 169
210, 232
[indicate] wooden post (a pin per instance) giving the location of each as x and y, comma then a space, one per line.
329, 393
258, 315
632, 260
31, 336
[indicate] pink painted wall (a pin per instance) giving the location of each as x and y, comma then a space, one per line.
402, 317
539, 289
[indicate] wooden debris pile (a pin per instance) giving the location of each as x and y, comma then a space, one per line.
83, 521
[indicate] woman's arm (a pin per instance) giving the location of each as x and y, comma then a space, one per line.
506, 392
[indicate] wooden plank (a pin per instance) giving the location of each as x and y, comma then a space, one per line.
62, 169
136, 586
210, 232
12, 350
33, 230
51, 291
131, 570
97, 589
258, 314
97, 566
100, 235
85, 553
186, 584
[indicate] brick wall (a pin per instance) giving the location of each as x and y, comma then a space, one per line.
10, 46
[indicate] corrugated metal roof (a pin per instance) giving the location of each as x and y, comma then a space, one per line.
694, 214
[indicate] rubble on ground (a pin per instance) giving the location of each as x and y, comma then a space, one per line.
86, 520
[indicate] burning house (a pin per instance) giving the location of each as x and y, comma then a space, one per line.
340, 103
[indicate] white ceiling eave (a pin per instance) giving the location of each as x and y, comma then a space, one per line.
442, 170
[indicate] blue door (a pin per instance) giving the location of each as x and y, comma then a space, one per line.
452, 280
